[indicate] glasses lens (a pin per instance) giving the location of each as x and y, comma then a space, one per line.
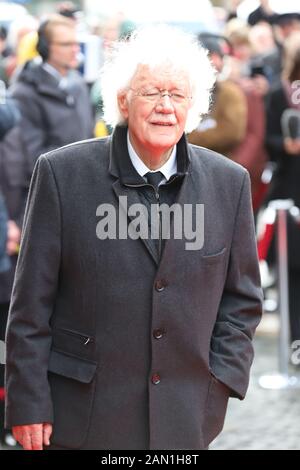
154, 94
177, 96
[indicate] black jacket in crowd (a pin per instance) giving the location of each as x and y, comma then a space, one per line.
51, 116
285, 184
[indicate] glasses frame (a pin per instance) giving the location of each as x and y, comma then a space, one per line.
66, 44
161, 93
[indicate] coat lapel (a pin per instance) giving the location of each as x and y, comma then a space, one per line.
190, 194
121, 167
132, 198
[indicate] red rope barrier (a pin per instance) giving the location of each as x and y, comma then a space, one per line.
266, 233
264, 242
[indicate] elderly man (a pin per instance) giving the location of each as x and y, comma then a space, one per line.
225, 127
126, 331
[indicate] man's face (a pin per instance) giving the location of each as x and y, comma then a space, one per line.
217, 61
63, 48
155, 126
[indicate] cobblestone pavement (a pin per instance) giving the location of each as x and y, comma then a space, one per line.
266, 419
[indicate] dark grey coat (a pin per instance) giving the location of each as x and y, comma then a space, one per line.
85, 310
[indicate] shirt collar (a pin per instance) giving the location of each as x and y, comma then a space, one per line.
63, 81
52, 71
168, 169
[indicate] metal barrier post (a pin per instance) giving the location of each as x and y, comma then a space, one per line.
282, 379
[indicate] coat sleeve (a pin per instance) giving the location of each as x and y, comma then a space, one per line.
240, 309
28, 337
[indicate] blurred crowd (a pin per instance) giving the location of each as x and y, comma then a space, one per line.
51, 96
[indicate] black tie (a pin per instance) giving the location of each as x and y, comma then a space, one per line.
154, 178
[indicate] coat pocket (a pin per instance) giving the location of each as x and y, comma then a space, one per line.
214, 257
215, 410
72, 367
72, 382
73, 343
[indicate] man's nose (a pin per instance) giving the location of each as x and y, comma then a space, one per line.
165, 103
76, 47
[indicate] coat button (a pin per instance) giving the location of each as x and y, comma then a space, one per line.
155, 379
159, 333
160, 285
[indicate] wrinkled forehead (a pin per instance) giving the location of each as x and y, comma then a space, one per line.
161, 76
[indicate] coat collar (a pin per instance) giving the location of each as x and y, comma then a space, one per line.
121, 166
45, 83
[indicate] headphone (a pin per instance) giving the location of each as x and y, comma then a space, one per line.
42, 44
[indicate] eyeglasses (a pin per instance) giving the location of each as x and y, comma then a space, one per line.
66, 44
153, 95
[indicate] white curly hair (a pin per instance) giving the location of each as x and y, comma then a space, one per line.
155, 46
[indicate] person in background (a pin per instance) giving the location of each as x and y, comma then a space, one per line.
250, 152
9, 235
263, 13
4, 262
231, 7
4, 266
9, 113
5, 437
286, 24
4, 52
20, 30
285, 151
265, 58
27, 49
135, 340
283, 25
52, 97
225, 126
67, 9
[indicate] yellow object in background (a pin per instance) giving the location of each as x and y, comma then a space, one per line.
27, 48
100, 129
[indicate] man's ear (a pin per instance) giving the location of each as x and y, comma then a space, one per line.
123, 104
